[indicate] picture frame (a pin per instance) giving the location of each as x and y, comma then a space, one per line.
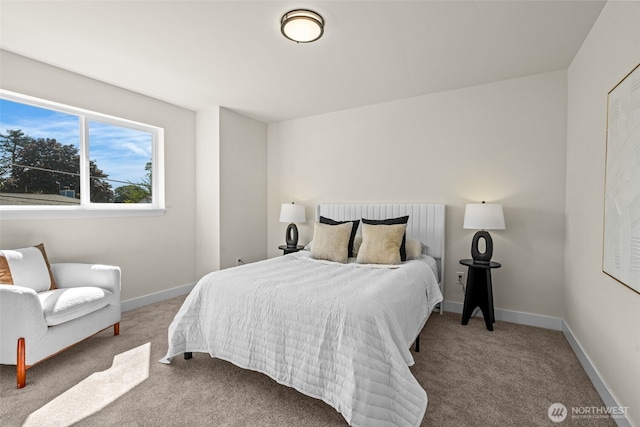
621, 240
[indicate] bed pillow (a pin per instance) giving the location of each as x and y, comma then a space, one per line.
28, 267
331, 242
414, 248
381, 243
392, 221
354, 230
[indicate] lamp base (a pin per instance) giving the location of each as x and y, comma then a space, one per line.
478, 256
292, 236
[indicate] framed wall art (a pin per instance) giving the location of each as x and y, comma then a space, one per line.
621, 243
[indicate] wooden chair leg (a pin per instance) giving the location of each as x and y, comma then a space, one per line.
116, 329
21, 366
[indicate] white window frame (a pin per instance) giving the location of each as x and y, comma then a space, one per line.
86, 208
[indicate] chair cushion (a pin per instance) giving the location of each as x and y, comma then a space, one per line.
28, 267
63, 305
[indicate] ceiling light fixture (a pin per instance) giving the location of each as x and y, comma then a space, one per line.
302, 26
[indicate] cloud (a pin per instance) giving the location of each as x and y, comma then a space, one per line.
120, 152
65, 129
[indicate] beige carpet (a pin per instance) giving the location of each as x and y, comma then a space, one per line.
473, 377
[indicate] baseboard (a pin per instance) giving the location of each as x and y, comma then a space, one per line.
605, 393
155, 297
518, 317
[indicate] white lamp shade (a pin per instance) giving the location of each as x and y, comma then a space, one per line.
290, 212
483, 216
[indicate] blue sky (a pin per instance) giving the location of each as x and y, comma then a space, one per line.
121, 153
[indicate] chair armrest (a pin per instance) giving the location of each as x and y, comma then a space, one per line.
21, 315
74, 275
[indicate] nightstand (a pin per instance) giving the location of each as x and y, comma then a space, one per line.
290, 249
479, 291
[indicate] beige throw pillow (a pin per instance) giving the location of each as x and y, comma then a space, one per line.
381, 244
331, 242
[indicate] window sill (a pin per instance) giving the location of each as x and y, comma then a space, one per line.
71, 213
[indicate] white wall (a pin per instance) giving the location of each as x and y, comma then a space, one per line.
155, 253
231, 170
603, 315
243, 189
207, 209
502, 142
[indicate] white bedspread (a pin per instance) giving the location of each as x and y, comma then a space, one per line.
336, 332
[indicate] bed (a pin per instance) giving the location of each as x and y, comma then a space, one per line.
338, 332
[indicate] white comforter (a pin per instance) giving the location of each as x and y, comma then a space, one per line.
337, 332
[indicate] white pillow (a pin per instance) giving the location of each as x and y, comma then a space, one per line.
414, 249
28, 267
331, 242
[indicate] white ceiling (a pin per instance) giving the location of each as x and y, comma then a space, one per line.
197, 54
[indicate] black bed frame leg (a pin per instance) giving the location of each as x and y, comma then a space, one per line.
418, 344
188, 355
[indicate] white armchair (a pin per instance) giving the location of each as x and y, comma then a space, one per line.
37, 325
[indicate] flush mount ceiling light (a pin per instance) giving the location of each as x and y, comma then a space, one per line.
302, 26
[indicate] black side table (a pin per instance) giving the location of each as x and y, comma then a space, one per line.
479, 292
289, 249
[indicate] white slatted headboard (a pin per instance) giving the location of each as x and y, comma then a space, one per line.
426, 222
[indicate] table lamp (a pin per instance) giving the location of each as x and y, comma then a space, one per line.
483, 216
291, 213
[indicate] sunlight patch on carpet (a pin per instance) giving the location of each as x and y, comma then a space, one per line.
96, 391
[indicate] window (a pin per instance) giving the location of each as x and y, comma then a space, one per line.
57, 158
